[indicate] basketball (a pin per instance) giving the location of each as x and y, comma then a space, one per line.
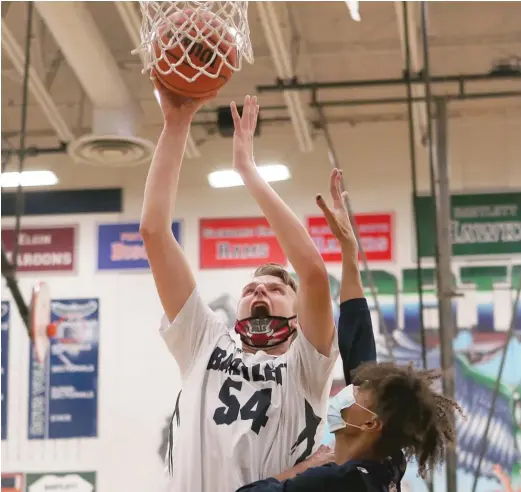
207, 44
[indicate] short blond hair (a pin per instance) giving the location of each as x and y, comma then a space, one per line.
276, 270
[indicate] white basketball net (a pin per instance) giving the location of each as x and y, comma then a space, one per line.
231, 28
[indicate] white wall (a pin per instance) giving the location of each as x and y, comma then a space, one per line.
138, 379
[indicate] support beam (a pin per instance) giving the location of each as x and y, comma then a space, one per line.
408, 28
461, 80
444, 271
86, 52
36, 86
282, 61
132, 24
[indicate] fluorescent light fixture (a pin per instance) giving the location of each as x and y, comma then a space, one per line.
28, 178
228, 178
353, 7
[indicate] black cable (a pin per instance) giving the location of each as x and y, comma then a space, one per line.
412, 155
414, 179
12, 285
23, 129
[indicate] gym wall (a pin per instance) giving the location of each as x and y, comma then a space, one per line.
138, 380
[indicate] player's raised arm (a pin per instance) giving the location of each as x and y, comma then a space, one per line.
173, 278
355, 329
314, 303
338, 220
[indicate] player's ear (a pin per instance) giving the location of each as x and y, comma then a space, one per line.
373, 425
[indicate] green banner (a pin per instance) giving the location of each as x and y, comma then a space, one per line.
58, 482
481, 224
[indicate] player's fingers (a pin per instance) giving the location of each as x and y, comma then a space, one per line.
257, 109
328, 213
235, 116
254, 117
245, 117
334, 187
160, 88
253, 113
344, 198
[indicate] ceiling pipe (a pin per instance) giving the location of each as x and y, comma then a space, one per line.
410, 22
282, 61
116, 113
15, 53
132, 24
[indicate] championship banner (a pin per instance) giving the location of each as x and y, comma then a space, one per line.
375, 231
238, 243
63, 391
5, 365
13, 482
120, 246
61, 482
481, 224
42, 249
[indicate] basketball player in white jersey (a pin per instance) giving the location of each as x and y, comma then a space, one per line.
252, 410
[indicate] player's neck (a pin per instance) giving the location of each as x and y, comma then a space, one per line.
349, 447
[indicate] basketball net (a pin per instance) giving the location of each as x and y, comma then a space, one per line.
225, 23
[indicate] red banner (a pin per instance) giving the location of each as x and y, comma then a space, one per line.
238, 243
12, 482
43, 249
375, 232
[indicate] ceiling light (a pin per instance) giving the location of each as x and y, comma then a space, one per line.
28, 178
228, 178
353, 7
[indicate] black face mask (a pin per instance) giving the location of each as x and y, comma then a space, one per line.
265, 332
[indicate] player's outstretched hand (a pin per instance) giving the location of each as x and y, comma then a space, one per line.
176, 108
244, 130
338, 217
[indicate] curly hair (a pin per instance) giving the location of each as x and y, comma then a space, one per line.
416, 419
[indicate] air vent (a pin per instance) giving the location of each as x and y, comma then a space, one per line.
111, 150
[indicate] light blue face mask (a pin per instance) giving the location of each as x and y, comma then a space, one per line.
343, 399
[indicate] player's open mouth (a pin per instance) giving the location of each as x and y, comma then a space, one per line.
260, 310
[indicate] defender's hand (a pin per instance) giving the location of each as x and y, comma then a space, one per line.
244, 126
323, 455
338, 218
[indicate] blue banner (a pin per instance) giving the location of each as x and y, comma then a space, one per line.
120, 246
63, 391
5, 365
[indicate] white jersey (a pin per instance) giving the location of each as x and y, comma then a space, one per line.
241, 417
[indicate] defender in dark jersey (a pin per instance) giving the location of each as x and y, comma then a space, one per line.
384, 410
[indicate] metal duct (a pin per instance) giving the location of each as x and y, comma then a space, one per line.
116, 113
420, 112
